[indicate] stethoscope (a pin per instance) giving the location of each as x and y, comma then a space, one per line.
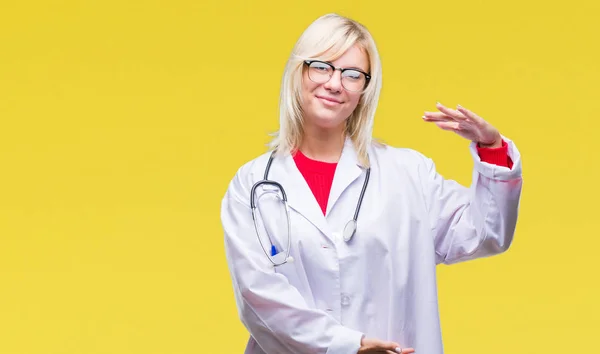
284, 257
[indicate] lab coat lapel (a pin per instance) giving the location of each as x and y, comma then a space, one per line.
300, 196
347, 171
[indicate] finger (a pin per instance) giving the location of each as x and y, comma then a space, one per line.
458, 116
469, 114
388, 346
450, 112
436, 117
454, 126
402, 351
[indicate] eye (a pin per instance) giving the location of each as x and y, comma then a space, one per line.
353, 74
320, 66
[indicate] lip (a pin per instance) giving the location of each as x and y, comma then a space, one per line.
328, 100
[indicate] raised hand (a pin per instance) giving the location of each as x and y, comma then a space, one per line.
466, 124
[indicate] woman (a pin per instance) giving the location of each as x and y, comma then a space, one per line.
368, 222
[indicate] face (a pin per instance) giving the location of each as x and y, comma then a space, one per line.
328, 105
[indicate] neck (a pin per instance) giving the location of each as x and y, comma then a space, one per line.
323, 144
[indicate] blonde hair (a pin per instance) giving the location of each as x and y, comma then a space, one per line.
328, 38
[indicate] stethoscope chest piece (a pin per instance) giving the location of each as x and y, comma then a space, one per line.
349, 230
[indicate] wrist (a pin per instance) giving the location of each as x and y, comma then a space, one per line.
493, 145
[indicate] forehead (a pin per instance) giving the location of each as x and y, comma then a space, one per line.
354, 57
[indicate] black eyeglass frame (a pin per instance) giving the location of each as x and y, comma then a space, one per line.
367, 76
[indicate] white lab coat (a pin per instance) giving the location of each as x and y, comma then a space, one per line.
383, 282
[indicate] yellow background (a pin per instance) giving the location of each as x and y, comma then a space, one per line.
122, 123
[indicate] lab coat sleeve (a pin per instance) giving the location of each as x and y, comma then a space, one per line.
474, 222
272, 310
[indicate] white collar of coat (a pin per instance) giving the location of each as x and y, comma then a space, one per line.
301, 198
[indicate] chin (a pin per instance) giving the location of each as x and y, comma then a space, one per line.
327, 118
328, 122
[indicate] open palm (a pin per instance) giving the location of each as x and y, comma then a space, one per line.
466, 124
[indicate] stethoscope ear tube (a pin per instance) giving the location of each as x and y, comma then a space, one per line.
272, 252
260, 183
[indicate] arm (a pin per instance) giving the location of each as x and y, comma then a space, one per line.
272, 310
479, 221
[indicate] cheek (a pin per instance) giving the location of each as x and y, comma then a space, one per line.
353, 101
307, 85
307, 92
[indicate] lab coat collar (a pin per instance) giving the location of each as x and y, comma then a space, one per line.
301, 198
347, 171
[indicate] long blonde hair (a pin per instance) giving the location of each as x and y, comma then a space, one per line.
328, 38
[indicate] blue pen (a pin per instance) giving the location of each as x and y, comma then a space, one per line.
273, 250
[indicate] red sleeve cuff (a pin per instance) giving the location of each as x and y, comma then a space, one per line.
496, 156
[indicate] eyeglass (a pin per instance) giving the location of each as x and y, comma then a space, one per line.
320, 72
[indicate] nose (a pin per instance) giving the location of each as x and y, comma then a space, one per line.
335, 83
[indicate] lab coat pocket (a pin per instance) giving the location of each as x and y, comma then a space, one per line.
290, 271
296, 273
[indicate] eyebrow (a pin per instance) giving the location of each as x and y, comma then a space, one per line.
349, 67
356, 68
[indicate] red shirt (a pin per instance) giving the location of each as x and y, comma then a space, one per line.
319, 175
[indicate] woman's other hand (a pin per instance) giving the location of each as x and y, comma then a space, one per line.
466, 124
372, 345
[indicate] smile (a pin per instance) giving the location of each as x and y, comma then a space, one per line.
328, 101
